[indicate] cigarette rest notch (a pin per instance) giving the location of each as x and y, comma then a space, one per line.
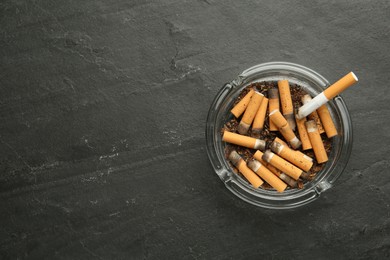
322, 186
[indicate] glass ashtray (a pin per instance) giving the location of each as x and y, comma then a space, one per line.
219, 113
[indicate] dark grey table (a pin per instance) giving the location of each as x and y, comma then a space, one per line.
103, 107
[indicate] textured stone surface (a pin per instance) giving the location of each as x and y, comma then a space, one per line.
103, 107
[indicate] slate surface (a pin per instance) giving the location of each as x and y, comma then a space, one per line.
103, 107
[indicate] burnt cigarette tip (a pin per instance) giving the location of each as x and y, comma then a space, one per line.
305, 175
295, 143
267, 156
276, 147
291, 120
260, 144
254, 165
306, 98
234, 157
243, 128
273, 93
290, 181
256, 132
354, 76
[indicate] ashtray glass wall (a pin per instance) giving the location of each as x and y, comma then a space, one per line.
219, 113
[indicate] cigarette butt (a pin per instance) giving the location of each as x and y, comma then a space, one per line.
290, 120
327, 122
240, 164
316, 141
283, 165
291, 156
289, 135
341, 85
286, 102
284, 128
250, 113
313, 115
287, 179
278, 118
329, 93
240, 107
267, 175
243, 140
299, 153
273, 95
258, 156
258, 122
303, 136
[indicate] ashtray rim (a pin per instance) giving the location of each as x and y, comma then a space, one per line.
263, 198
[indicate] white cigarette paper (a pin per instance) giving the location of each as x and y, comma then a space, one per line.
329, 93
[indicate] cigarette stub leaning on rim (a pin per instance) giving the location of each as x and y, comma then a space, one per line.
243, 140
326, 95
240, 164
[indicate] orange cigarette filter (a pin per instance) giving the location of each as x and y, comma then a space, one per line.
341, 85
240, 107
267, 175
286, 102
299, 153
313, 115
287, 179
285, 129
250, 112
303, 136
291, 156
273, 95
327, 122
316, 141
258, 122
283, 165
243, 140
240, 164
